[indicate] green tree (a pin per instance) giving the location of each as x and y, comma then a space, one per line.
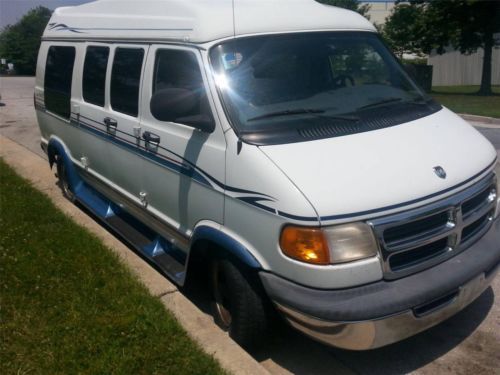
403, 28
19, 43
466, 25
354, 5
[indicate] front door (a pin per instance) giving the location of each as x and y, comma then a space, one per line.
184, 169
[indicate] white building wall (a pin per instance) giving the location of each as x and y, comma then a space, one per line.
454, 69
379, 11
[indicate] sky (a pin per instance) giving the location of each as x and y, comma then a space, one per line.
12, 10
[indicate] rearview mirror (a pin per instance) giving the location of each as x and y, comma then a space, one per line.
182, 106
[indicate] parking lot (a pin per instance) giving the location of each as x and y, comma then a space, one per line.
468, 343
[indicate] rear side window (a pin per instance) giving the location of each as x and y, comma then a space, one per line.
94, 75
125, 80
58, 75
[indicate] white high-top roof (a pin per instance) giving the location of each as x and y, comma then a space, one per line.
196, 21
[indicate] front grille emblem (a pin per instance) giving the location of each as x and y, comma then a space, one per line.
440, 172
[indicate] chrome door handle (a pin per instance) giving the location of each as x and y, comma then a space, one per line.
151, 137
111, 124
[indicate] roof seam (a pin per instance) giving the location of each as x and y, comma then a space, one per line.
234, 22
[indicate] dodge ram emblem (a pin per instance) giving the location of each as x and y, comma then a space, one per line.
440, 172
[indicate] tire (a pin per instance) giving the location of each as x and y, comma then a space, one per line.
62, 175
238, 304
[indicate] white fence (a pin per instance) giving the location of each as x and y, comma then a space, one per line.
455, 69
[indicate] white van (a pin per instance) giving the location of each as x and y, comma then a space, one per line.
281, 144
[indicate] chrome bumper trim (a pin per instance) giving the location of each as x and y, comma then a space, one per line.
371, 334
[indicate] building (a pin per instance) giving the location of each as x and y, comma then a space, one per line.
379, 10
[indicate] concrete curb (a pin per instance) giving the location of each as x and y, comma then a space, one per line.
198, 325
486, 120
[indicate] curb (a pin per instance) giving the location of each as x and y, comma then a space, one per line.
486, 120
199, 326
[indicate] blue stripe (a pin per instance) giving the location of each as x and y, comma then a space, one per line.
191, 172
254, 202
299, 218
194, 166
185, 170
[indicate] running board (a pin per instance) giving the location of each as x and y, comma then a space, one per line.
149, 243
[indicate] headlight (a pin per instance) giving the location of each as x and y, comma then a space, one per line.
497, 173
335, 244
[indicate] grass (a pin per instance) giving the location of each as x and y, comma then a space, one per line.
462, 99
68, 305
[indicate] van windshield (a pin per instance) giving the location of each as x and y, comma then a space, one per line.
296, 87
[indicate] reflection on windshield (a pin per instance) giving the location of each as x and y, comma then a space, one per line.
278, 82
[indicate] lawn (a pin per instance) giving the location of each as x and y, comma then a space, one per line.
462, 99
68, 305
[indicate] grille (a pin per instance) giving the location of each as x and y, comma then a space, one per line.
407, 258
419, 238
471, 229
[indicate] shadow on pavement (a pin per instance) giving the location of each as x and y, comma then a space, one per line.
301, 355
296, 353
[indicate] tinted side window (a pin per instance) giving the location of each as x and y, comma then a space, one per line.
125, 80
94, 75
58, 75
175, 69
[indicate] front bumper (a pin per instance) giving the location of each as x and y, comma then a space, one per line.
381, 313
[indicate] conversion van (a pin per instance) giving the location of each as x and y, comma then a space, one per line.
283, 145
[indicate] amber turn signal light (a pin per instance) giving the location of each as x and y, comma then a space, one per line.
305, 244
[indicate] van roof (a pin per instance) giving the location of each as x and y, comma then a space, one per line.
196, 21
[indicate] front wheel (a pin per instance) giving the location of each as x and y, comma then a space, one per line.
238, 305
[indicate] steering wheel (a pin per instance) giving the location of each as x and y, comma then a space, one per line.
341, 80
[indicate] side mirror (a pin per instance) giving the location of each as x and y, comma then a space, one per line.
182, 106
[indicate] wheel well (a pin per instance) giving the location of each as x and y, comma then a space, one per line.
52, 152
199, 270
206, 249
201, 255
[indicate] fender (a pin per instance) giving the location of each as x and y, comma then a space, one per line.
232, 246
54, 147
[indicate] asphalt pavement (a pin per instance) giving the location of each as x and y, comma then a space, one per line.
468, 343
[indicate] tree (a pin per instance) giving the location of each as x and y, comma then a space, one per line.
403, 28
466, 25
19, 43
349, 4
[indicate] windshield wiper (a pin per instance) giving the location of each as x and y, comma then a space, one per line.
419, 101
287, 112
304, 111
380, 102
340, 117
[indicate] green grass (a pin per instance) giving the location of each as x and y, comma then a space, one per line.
462, 99
68, 305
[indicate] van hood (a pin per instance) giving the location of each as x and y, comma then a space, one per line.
377, 172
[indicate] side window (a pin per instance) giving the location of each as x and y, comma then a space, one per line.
181, 95
94, 75
58, 75
125, 80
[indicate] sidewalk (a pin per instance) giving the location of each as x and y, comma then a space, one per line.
483, 119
